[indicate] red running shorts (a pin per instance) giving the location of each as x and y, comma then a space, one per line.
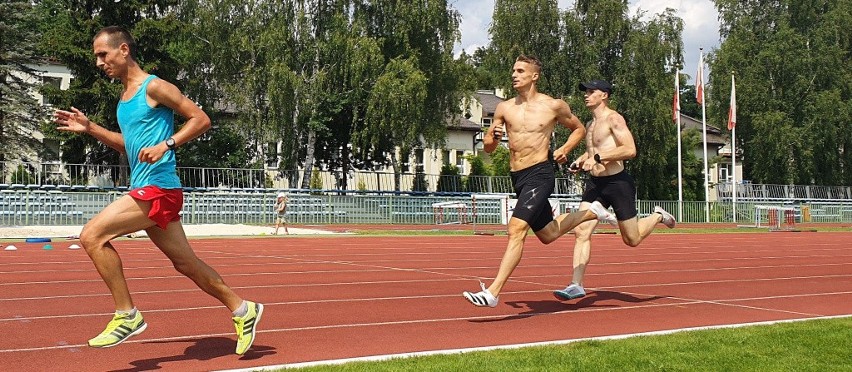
165, 203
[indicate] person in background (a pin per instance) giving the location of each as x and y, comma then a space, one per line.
281, 212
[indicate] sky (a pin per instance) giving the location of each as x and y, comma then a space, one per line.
700, 28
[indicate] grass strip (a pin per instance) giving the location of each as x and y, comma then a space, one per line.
816, 345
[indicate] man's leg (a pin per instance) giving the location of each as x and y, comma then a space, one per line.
488, 296
173, 243
635, 230
582, 255
564, 223
518, 229
121, 217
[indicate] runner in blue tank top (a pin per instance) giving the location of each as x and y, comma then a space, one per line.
146, 118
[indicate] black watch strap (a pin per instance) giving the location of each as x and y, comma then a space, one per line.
598, 158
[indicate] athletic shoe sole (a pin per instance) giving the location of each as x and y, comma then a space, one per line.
134, 333
565, 296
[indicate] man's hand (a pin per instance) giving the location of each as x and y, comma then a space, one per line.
574, 168
497, 133
154, 153
72, 121
590, 164
560, 155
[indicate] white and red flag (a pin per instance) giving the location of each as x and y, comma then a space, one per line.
676, 99
699, 80
732, 112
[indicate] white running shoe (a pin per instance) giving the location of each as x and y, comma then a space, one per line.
570, 292
604, 215
668, 219
482, 298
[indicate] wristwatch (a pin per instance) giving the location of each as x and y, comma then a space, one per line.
598, 158
170, 143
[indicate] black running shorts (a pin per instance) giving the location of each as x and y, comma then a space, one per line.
617, 190
533, 186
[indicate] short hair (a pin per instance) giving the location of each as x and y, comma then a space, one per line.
117, 36
529, 59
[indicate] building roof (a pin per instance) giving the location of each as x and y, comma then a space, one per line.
714, 134
489, 101
464, 125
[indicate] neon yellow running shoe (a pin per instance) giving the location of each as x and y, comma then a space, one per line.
119, 329
246, 326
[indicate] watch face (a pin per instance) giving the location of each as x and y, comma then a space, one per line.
170, 142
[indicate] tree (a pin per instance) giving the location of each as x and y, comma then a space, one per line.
416, 40
643, 96
244, 52
528, 27
69, 40
500, 162
20, 114
396, 110
450, 179
791, 60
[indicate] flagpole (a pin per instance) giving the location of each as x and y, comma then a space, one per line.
732, 119
704, 136
679, 150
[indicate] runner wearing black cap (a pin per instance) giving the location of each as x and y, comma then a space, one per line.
608, 144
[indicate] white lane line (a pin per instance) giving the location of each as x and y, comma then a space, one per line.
375, 358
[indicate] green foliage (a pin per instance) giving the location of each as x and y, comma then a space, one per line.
476, 179
316, 180
450, 180
693, 167
420, 183
792, 67
396, 107
20, 113
512, 23
500, 162
23, 176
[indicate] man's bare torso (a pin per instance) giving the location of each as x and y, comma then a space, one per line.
599, 138
529, 125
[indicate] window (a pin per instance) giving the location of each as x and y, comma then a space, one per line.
460, 161
271, 150
724, 173
55, 84
418, 155
446, 157
486, 122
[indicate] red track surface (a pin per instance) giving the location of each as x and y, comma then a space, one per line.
345, 296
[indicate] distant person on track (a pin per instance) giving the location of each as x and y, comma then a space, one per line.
529, 120
281, 212
608, 144
146, 117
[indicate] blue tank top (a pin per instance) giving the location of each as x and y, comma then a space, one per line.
143, 126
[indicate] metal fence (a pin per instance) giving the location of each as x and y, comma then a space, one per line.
101, 177
27, 207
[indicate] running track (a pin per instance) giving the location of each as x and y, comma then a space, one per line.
348, 296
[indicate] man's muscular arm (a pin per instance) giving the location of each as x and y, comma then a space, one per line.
497, 129
567, 119
625, 146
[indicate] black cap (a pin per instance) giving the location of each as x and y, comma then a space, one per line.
600, 85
